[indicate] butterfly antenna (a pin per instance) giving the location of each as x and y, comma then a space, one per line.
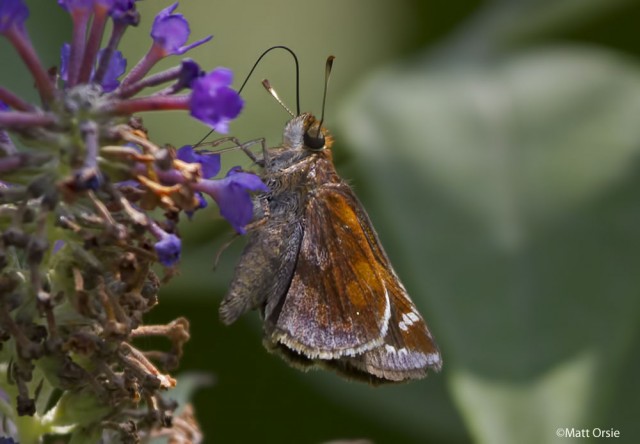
295, 59
327, 75
255, 65
274, 94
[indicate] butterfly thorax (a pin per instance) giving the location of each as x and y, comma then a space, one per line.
297, 167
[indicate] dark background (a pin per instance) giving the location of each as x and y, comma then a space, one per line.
495, 145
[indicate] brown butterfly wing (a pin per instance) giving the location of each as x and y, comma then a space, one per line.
263, 274
341, 226
408, 349
337, 304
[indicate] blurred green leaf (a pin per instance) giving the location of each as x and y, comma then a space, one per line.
507, 25
526, 412
510, 189
516, 143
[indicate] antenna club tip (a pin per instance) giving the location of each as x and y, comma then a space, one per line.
330, 60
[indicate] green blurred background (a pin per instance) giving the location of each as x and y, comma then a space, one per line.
495, 145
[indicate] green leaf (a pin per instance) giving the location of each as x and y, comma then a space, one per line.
77, 409
511, 191
514, 143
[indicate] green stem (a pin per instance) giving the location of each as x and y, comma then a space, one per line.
30, 429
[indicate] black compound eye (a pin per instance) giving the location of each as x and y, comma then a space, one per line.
314, 141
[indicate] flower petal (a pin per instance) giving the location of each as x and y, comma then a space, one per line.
65, 53
124, 11
117, 66
168, 249
202, 203
13, 13
213, 101
232, 194
209, 162
189, 71
170, 32
75, 5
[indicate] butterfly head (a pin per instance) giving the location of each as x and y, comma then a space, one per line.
305, 132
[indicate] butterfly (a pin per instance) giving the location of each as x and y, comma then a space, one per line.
314, 267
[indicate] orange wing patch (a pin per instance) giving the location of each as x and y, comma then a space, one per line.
337, 304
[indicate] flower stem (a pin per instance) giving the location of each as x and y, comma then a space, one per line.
152, 57
149, 81
93, 44
19, 119
14, 101
155, 103
22, 44
80, 18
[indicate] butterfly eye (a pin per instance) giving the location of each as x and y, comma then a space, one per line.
314, 142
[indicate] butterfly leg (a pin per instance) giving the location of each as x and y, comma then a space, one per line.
265, 151
241, 146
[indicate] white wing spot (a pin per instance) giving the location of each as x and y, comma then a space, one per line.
403, 326
410, 318
403, 351
387, 312
433, 358
413, 316
390, 348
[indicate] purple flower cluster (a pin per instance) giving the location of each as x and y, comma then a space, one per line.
93, 79
83, 61
89, 206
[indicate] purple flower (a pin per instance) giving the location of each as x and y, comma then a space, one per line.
65, 53
13, 13
124, 11
233, 197
168, 249
209, 162
75, 5
117, 66
202, 203
87, 179
189, 72
57, 245
79, 5
213, 101
6, 440
171, 31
